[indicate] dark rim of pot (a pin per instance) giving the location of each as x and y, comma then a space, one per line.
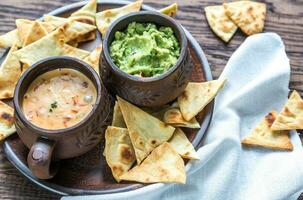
77, 65
173, 23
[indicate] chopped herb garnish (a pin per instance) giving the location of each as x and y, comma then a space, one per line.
53, 106
50, 110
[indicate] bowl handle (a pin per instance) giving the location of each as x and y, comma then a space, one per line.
39, 159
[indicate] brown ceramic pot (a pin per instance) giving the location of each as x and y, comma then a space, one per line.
151, 91
48, 146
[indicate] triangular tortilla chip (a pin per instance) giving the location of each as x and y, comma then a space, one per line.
118, 120
174, 118
119, 152
170, 10
7, 126
94, 58
146, 132
36, 32
263, 136
196, 96
164, 165
249, 16
81, 32
105, 18
182, 145
50, 45
7, 40
291, 116
10, 71
86, 14
221, 25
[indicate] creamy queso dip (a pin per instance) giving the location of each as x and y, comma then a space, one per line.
59, 99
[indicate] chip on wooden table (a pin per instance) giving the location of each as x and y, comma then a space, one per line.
170, 10
249, 16
10, 71
264, 136
119, 152
291, 116
7, 126
106, 17
146, 132
173, 117
164, 165
86, 14
221, 25
196, 96
183, 146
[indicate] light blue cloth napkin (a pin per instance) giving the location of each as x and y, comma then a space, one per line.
257, 82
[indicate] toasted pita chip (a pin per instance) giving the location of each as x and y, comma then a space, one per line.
36, 32
174, 118
118, 120
249, 16
196, 96
50, 45
94, 58
170, 10
80, 32
146, 132
10, 71
86, 14
263, 136
221, 25
164, 165
119, 152
183, 146
7, 40
7, 126
105, 18
291, 116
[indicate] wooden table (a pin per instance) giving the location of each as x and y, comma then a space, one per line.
284, 17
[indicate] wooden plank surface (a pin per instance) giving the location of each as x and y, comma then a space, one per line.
284, 17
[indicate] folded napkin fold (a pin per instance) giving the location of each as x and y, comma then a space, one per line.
257, 82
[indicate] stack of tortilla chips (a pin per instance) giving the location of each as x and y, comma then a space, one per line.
225, 19
32, 41
153, 139
273, 131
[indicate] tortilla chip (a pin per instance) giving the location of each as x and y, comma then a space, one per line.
94, 58
118, 120
81, 32
183, 146
263, 136
291, 116
7, 40
50, 45
196, 96
221, 25
249, 16
10, 71
86, 14
119, 152
36, 32
105, 18
170, 10
164, 165
7, 126
146, 132
174, 118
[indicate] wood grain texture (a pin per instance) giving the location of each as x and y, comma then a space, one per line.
283, 17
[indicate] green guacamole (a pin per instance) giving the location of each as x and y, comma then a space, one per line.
144, 49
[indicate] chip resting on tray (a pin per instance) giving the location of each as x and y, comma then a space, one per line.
263, 136
7, 126
291, 116
221, 25
118, 120
146, 132
249, 16
174, 118
94, 57
196, 96
86, 14
164, 164
8, 39
36, 32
